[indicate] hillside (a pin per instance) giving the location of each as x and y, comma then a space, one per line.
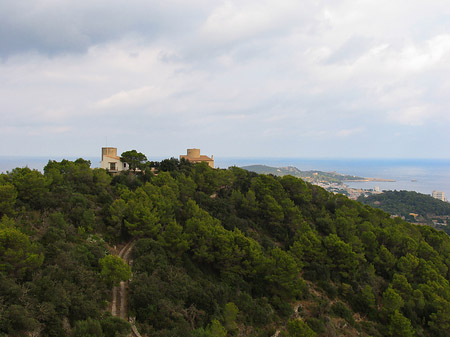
311, 176
215, 253
415, 207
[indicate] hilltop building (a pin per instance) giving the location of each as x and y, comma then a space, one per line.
194, 156
438, 195
111, 162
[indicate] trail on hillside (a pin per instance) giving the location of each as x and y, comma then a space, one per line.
119, 304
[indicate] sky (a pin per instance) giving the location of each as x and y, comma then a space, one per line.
263, 78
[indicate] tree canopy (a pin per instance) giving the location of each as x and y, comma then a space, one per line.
135, 160
216, 253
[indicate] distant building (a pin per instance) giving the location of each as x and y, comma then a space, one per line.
438, 195
377, 189
111, 162
194, 156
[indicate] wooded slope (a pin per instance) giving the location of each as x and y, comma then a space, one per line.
218, 252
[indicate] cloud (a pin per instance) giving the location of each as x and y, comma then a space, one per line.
62, 129
54, 27
426, 55
311, 77
413, 115
132, 98
237, 20
351, 50
350, 132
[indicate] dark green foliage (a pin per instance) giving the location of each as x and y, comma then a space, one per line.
341, 310
316, 324
114, 270
8, 196
87, 328
115, 326
135, 160
405, 202
18, 256
298, 328
50, 275
32, 191
400, 326
230, 313
217, 252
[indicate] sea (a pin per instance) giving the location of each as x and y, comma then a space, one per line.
420, 175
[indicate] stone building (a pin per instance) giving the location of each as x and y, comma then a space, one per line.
110, 160
194, 156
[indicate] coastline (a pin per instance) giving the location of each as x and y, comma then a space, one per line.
365, 180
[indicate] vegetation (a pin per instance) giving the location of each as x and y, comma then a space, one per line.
135, 160
415, 207
310, 176
217, 253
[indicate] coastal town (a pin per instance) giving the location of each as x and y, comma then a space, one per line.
331, 181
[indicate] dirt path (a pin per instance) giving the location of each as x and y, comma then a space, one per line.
119, 304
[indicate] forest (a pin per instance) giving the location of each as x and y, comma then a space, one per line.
216, 253
404, 203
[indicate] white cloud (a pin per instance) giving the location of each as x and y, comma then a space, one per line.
133, 98
253, 72
350, 132
414, 115
235, 20
430, 53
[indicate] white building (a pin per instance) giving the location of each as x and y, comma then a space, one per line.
110, 160
438, 195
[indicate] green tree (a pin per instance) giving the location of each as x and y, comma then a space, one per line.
200, 332
8, 196
115, 327
18, 320
142, 216
298, 328
229, 315
343, 260
283, 273
407, 265
440, 320
17, 253
87, 328
400, 325
174, 239
392, 302
114, 270
216, 329
367, 299
31, 187
134, 159
401, 285
297, 189
385, 261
